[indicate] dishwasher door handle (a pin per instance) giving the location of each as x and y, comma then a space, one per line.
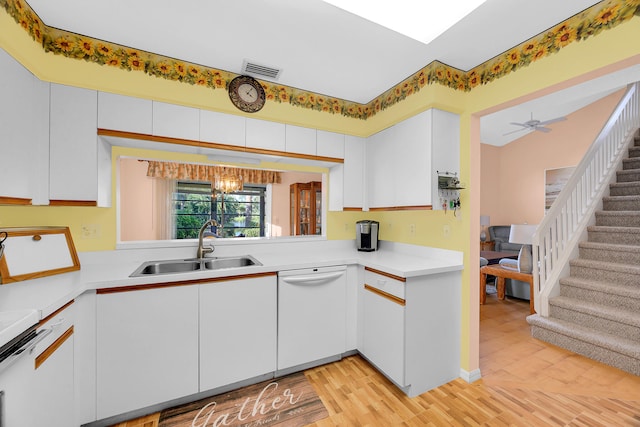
25, 349
312, 279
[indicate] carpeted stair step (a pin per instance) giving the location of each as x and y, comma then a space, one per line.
631, 175
609, 252
618, 218
634, 151
624, 188
600, 317
625, 274
603, 292
606, 348
621, 203
616, 235
631, 163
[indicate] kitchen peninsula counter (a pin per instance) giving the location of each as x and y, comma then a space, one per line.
110, 269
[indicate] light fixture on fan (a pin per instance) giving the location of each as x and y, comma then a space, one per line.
227, 183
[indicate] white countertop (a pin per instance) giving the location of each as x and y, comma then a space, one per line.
112, 268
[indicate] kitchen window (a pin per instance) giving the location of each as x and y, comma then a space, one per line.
239, 214
148, 206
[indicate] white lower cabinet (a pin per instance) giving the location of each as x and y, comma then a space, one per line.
38, 389
383, 327
54, 387
237, 330
411, 330
147, 347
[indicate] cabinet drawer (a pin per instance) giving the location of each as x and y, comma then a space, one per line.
61, 324
385, 282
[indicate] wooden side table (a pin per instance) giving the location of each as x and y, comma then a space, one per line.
487, 246
501, 274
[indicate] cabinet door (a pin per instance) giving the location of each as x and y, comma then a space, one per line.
124, 113
266, 135
73, 154
53, 388
300, 140
354, 170
330, 144
412, 162
383, 335
147, 347
176, 121
382, 153
445, 148
222, 128
238, 321
24, 133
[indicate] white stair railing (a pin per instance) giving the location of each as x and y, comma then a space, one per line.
556, 239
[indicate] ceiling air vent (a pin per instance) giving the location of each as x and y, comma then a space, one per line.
249, 67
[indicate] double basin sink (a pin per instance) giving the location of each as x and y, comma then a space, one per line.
151, 268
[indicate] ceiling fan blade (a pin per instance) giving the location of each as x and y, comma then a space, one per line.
514, 131
543, 129
548, 122
519, 124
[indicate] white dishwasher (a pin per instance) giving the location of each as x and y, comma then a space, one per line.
311, 315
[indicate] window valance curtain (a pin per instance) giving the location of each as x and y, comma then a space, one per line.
194, 172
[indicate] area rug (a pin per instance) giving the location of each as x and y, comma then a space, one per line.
289, 401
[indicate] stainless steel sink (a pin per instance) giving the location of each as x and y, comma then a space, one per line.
231, 262
174, 266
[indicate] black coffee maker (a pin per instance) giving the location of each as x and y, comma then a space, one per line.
367, 235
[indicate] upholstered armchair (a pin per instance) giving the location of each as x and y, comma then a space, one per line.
500, 235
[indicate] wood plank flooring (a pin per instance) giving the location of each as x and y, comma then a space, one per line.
571, 391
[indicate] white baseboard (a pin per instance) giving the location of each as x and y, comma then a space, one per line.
470, 376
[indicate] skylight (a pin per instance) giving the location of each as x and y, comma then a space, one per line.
421, 20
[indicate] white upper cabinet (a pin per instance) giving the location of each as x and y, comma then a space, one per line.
222, 128
382, 156
125, 113
445, 148
24, 133
176, 121
412, 160
402, 160
330, 144
75, 158
354, 172
266, 135
300, 140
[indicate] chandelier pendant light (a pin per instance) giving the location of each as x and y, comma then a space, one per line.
227, 183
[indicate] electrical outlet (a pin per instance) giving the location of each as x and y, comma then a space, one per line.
446, 230
346, 226
412, 229
90, 231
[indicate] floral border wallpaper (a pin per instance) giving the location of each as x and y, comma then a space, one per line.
602, 16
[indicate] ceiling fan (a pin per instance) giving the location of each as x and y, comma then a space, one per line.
535, 124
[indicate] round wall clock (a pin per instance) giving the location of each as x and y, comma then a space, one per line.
247, 94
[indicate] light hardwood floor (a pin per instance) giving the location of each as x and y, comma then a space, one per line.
525, 382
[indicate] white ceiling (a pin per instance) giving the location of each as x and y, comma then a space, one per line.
319, 47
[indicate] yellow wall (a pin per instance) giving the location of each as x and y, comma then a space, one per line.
609, 49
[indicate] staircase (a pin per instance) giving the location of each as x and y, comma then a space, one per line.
597, 313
